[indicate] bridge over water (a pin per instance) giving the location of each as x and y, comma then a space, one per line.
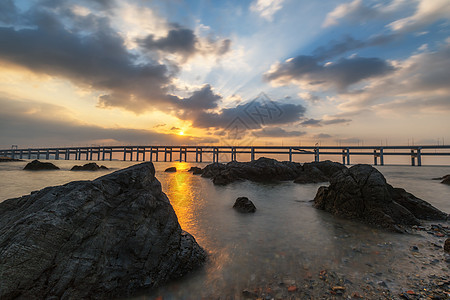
225, 153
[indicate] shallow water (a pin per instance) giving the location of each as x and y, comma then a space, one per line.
286, 241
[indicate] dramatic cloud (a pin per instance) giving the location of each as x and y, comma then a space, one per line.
427, 12
88, 51
249, 116
8, 11
202, 99
37, 124
266, 8
420, 82
184, 41
308, 72
358, 12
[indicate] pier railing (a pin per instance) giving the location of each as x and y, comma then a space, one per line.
214, 153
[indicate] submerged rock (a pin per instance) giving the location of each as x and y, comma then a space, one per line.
89, 167
362, 193
195, 170
446, 179
36, 165
97, 239
269, 170
244, 205
447, 245
171, 169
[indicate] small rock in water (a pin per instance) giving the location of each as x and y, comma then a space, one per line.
244, 205
249, 294
88, 167
195, 170
171, 169
36, 165
414, 249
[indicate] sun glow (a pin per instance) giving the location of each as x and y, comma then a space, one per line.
181, 133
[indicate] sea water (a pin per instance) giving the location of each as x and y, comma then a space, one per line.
285, 241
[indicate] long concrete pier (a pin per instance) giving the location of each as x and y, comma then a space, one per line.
215, 153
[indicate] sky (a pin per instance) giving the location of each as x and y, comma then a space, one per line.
260, 72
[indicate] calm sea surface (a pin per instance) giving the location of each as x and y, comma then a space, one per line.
286, 240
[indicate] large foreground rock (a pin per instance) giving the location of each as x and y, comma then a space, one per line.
36, 165
93, 239
267, 169
362, 193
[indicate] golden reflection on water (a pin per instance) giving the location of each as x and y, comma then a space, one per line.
182, 196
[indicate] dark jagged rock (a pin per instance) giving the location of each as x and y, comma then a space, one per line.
36, 165
446, 179
99, 239
8, 159
267, 170
195, 170
244, 205
171, 169
362, 193
88, 167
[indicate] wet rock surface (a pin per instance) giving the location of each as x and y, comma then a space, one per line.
244, 205
270, 170
88, 167
97, 239
171, 169
36, 165
362, 193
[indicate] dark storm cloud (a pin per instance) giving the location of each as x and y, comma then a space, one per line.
276, 132
96, 60
8, 11
340, 74
90, 53
185, 42
203, 99
178, 40
347, 43
249, 116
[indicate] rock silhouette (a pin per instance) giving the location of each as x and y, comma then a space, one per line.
362, 193
88, 167
36, 165
244, 205
269, 170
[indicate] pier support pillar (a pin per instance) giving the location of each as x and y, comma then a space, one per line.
348, 156
252, 154
29, 153
413, 158
375, 157
316, 154
381, 157
290, 154
419, 156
